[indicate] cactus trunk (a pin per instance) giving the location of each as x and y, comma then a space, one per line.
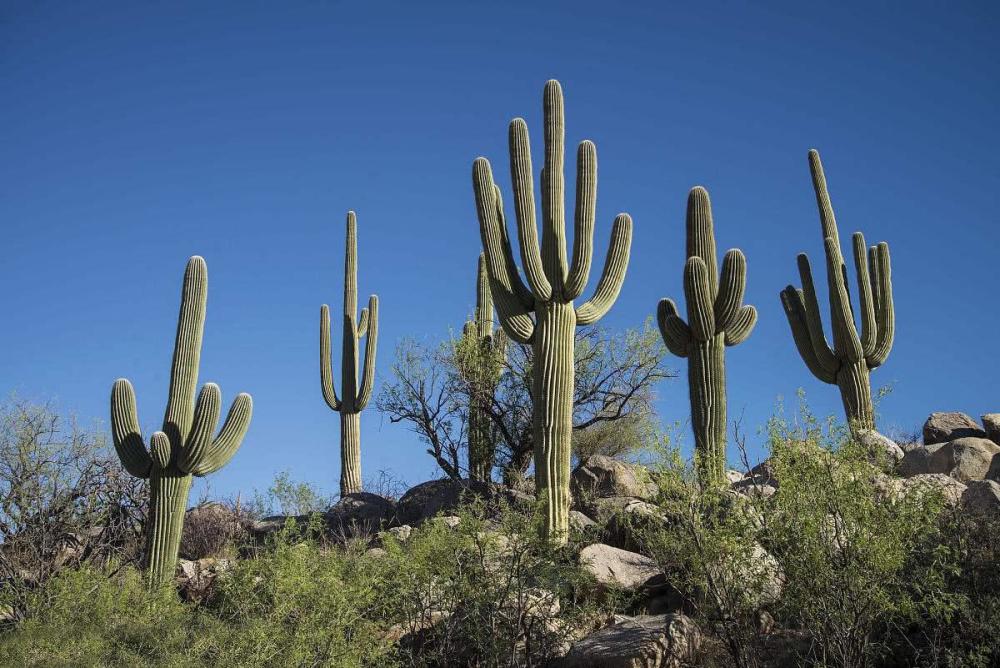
168, 502
856, 392
707, 390
350, 453
553, 384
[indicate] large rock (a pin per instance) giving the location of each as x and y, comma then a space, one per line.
210, 529
195, 579
883, 450
982, 497
602, 509
627, 527
360, 514
648, 641
620, 569
967, 458
991, 421
944, 427
916, 460
937, 483
601, 476
429, 498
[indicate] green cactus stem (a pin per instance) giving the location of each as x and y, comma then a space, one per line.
716, 319
482, 353
552, 285
354, 397
187, 445
848, 363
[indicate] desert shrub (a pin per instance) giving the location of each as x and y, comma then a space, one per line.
215, 529
288, 497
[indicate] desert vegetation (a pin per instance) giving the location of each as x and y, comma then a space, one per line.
566, 528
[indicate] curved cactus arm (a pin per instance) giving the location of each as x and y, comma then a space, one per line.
229, 439
615, 264
125, 432
524, 208
371, 348
159, 449
363, 323
206, 417
741, 325
701, 234
326, 361
846, 342
187, 351
732, 287
583, 224
514, 316
793, 302
553, 186
884, 314
698, 295
675, 332
869, 326
822, 352
518, 288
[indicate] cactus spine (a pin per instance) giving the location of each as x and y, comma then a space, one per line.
716, 319
850, 361
484, 349
552, 286
354, 397
187, 445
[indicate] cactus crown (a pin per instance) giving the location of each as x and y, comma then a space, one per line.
355, 397
187, 441
549, 277
872, 345
714, 304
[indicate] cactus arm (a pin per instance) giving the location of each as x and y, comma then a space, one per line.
484, 300
230, 437
125, 432
822, 352
846, 342
351, 266
869, 326
524, 208
675, 332
793, 302
583, 224
325, 360
697, 293
741, 326
371, 348
159, 450
701, 234
553, 186
732, 287
206, 417
187, 352
884, 313
363, 323
518, 288
615, 264
514, 316
826, 216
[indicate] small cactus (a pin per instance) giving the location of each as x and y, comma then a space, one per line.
716, 319
849, 362
187, 445
553, 284
483, 349
354, 396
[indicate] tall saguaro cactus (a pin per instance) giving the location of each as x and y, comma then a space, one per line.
552, 285
187, 445
849, 362
482, 353
354, 397
716, 319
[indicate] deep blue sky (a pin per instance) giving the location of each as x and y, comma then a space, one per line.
137, 134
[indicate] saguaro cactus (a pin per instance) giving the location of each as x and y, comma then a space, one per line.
850, 361
552, 286
482, 351
354, 397
716, 319
187, 445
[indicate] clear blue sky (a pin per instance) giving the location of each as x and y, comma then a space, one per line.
137, 134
